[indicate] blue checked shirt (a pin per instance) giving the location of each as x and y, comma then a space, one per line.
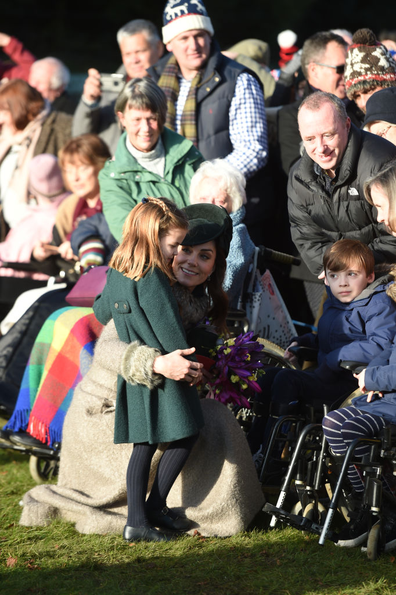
248, 124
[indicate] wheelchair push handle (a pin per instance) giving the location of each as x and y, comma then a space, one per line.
354, 367
305, 354
267, 254
20, 266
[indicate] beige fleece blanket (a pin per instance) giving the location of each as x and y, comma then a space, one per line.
218, 488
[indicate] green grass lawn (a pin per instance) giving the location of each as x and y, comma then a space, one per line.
57, 560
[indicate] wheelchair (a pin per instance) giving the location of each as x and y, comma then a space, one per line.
43, 459
318, 480
16, 346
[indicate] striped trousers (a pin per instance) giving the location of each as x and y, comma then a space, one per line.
342, 426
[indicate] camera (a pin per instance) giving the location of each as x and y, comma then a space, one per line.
112, 82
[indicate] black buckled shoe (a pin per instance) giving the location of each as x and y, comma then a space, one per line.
144, 534
168, 519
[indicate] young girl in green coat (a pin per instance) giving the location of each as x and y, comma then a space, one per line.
139, 298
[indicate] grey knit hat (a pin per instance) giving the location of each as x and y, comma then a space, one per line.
369, 64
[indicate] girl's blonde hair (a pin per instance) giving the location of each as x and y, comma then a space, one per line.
140, 248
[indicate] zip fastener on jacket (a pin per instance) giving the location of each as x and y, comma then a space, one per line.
323, 197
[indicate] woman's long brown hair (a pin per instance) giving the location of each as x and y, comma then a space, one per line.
219, 299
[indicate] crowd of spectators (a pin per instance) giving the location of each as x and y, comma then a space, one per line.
286, 152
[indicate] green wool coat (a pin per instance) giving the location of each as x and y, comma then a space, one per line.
147, 311
123, 182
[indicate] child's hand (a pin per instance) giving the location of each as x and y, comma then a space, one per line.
290, 356
361, 380
66, 252
371, 394
362, 385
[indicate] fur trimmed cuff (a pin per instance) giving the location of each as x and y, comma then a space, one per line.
137, 365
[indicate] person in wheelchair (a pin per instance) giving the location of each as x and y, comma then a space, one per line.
370, 413
358, 323
365, 418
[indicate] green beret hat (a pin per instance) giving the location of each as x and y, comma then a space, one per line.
208, 222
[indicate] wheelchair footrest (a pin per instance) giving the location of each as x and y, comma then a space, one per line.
298, 522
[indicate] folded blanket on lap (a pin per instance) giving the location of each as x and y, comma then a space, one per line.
61, 356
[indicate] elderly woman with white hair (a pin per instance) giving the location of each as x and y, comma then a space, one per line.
220, 183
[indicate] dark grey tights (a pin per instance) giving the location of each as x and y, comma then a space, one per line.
169, 467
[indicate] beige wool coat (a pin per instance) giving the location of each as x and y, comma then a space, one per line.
217, 489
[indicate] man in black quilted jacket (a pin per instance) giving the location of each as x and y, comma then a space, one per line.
325, 189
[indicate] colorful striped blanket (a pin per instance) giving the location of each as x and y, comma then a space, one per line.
61, 356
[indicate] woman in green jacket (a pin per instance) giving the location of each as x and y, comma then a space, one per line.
150, 160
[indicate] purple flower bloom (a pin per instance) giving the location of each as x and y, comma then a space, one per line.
234, 372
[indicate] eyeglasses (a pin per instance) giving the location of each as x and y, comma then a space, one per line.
339, 69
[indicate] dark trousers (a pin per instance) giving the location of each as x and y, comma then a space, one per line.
280, 387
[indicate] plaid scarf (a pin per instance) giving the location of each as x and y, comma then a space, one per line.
169, 83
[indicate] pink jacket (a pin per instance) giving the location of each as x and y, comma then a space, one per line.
36, 226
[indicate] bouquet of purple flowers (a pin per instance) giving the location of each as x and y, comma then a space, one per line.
234, 372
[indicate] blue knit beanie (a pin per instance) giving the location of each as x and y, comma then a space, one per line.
180, 16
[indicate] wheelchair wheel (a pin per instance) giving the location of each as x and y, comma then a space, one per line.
297, 509
373, 541
342, 506
316, 515
43, 469
272, 355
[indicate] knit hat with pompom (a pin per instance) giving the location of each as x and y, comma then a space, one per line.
369, 64
184, 15
287, 43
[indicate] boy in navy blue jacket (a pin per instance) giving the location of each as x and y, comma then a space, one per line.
358, 323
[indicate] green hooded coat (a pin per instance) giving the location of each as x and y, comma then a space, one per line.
123, 182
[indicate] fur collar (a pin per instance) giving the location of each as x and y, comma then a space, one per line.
192, 306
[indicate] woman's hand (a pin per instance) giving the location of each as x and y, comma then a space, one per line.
43, 250
66, 252
176, 367
290, 356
